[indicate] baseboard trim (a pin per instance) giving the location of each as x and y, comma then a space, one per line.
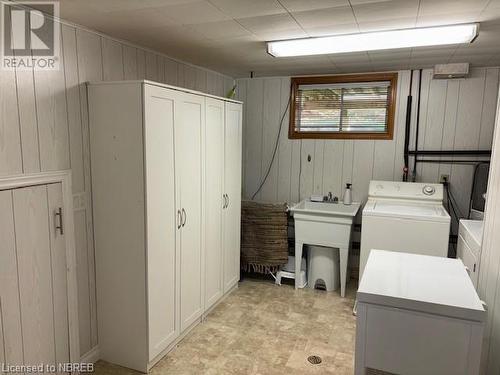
92, 356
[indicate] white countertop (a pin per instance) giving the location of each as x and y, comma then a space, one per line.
421, 283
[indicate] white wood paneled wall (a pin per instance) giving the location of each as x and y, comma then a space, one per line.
454, 114
44, 127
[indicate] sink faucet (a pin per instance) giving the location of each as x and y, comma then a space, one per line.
331, 199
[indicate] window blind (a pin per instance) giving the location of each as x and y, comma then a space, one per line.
342, 107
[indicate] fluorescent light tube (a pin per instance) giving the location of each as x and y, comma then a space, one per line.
380, 40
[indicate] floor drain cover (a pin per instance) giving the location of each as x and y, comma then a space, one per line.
314, 359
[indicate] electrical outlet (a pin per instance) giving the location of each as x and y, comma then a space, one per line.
444, 178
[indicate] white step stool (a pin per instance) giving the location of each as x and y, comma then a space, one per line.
324, 265
288, 272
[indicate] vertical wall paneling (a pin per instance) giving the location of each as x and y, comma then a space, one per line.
284, 153
433, 132
253, 135
89, 69
399, 131
270, 127
189, 77
180, 75
10, 142
9, 304
73, 107
129, 62
141, 64
211, 83
201, 80
112, 60
318, 165
161, 69
454, 114
151, 67
50, 96
220, 86
306, 167
28, 120
170, 72
241, 94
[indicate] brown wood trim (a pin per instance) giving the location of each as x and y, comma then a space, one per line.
369, 77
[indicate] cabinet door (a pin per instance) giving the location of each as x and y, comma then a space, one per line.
33, 277
232, 187
188, 169
161, 216
214, 202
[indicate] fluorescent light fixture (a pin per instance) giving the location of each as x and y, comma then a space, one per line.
380, 40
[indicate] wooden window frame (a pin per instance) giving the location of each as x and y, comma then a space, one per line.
351, 78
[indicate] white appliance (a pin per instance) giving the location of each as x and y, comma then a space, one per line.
404, 216
470, 236
166, 184
417, 315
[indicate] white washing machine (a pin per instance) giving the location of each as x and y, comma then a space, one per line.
406, 217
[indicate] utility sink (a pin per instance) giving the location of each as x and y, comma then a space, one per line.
327, 209
324, 224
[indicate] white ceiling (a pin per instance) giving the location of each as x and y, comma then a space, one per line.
228, 35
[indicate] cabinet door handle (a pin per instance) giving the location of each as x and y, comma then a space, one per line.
185, 217
59, 216
179, 219
227, 205
225, 201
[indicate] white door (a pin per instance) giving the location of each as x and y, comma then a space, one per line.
214, 201
161, 218
188, 167
232, 188
34, 323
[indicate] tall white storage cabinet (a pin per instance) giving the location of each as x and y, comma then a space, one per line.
232, 188
164, 247
223, 144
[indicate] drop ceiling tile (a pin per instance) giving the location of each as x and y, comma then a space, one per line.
446, 19
391, 55
332, 30
390, 24
325, 17
194, 12
426, 52
301, 5
139, 19
361, 2
268, 23
386, 10
220, 30
357, 57
433, 7
122, 5
270, 35
245, 8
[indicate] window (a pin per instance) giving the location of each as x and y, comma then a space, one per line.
346, 107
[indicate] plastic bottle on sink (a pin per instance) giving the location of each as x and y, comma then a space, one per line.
347, 194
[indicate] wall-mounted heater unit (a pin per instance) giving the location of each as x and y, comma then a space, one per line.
449, 71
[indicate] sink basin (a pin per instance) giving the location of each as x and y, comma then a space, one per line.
325, 209
324, 224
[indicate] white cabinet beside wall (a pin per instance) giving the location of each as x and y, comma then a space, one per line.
167, 244
223, 203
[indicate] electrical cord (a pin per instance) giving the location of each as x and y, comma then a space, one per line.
274, 151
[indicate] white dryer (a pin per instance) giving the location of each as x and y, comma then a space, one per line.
404, 217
